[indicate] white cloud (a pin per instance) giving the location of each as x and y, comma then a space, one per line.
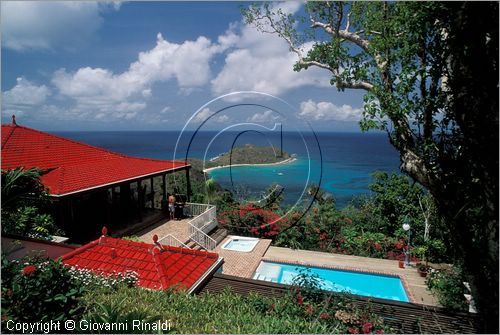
328, 111
206, 113
165, 110
266, 116
262, 62
102, 90
49, 24
25, 94
203, 115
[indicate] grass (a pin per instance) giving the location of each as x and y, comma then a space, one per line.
224, 312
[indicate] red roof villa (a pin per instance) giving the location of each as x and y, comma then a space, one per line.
91, 187
158, 266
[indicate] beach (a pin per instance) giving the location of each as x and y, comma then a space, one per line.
286, 161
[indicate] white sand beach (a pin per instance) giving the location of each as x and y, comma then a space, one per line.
286, 161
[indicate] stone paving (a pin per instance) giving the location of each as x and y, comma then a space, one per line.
242, 264
177, 228
416, 284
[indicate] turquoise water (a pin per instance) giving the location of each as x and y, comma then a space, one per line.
371, 285
244, 245
342, 166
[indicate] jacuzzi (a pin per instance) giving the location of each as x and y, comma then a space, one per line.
240, 243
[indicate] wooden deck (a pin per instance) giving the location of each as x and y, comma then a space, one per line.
408, 318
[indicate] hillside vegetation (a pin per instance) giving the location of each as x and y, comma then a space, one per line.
250, 154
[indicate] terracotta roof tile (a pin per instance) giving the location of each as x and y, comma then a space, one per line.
156, 269
72, 166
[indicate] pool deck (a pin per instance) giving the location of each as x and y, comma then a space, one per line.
242, 264
415, 284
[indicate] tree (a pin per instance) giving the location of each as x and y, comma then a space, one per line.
23, 200
430, 73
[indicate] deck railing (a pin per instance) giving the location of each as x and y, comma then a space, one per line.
202, 239
172, 241
204, 219
201, 225
193, 209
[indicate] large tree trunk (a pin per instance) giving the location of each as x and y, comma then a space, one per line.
467, 190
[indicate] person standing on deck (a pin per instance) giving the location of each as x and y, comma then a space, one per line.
171, 207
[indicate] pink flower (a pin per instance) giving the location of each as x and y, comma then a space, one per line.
300, 300
309, 310
353, 330
28, 270
367, 327
380, 331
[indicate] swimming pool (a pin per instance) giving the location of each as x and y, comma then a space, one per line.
366, 284
239, 243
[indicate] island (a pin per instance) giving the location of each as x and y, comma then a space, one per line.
249, 154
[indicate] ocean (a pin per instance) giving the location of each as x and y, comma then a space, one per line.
341, 163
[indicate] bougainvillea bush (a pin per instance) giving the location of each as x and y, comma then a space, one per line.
250, 220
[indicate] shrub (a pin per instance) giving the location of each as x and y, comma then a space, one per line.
92, 280
39, 290
448, 286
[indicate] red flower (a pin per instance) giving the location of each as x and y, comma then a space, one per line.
367, 327
28, 270
323, 236
309, 310
353, 331
380, 331
377, 246
324, 316
398, 245
300, 300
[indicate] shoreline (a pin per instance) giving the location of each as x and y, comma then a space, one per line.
286, 161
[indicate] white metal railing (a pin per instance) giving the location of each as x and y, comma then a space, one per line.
203, 221
172, 241
198, 236
194, 209
201, 225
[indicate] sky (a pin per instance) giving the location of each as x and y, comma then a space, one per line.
91, 66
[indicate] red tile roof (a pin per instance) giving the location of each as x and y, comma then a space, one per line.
72, 166
157, 269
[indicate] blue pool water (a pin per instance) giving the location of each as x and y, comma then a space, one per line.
241, 244
378, 286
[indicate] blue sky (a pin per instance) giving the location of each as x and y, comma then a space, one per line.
152, 65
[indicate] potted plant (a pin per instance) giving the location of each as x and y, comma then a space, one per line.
422, 269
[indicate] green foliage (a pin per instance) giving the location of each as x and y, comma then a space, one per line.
24, 200
28, 221
39, 290
430, 72
225, 312
448, 286
114, 312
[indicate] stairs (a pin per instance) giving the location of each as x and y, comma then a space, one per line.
193, 245
218, 234
258, 276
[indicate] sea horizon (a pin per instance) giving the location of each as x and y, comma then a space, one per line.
342, 166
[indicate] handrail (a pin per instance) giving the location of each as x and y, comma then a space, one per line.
172, 241
198, 236
195, 209
204, 220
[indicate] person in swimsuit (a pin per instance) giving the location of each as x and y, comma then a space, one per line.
171, 207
